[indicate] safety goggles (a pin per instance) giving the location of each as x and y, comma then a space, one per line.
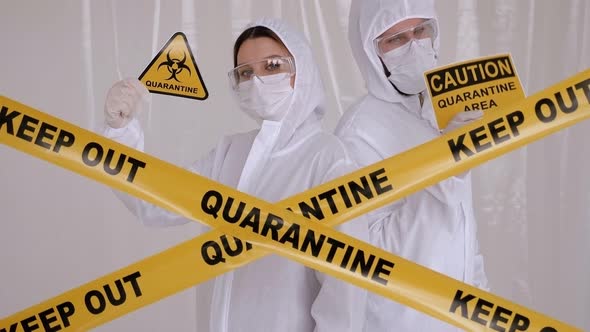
261, 69
426, 29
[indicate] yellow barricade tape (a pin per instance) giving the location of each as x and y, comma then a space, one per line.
264, 225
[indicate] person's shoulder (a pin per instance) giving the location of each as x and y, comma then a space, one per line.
349, 116
243, 135
240, 141
362, 114
240, 138
328, 144
331, 157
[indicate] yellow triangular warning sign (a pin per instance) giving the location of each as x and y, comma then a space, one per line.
173, 71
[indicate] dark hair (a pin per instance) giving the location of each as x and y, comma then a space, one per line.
252, 33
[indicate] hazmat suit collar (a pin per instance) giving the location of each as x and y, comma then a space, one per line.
369, 19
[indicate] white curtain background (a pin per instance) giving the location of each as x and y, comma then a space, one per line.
59, 230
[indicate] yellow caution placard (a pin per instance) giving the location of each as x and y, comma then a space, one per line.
269, 228
174, 71
481, 84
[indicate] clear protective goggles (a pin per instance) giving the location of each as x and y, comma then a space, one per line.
426, 29
261, 69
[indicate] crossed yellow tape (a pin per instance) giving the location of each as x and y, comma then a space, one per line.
273, 229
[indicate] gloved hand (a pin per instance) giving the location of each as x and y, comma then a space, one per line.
462, 118
125, 100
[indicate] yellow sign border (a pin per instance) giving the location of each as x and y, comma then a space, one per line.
199, 76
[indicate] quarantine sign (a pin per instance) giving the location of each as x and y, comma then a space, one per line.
479, 84
173, 71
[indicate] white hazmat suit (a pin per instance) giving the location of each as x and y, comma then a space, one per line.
434, 227
277, 161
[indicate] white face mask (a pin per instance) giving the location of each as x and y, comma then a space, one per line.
408, 63
266, 101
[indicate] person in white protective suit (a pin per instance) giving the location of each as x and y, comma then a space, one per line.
277, 82
393, 43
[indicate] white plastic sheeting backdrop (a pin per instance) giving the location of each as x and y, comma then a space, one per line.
60, 230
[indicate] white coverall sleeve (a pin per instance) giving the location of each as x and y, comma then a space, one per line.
362, 150
149, 214
339, 305
480, 279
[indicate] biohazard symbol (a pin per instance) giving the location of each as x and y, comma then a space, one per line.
175, 66
173, 71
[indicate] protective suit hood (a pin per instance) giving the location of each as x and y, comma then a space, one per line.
369, 19
308, 96
303, 114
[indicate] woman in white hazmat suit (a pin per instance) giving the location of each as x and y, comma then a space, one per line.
393, 43
277, 82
